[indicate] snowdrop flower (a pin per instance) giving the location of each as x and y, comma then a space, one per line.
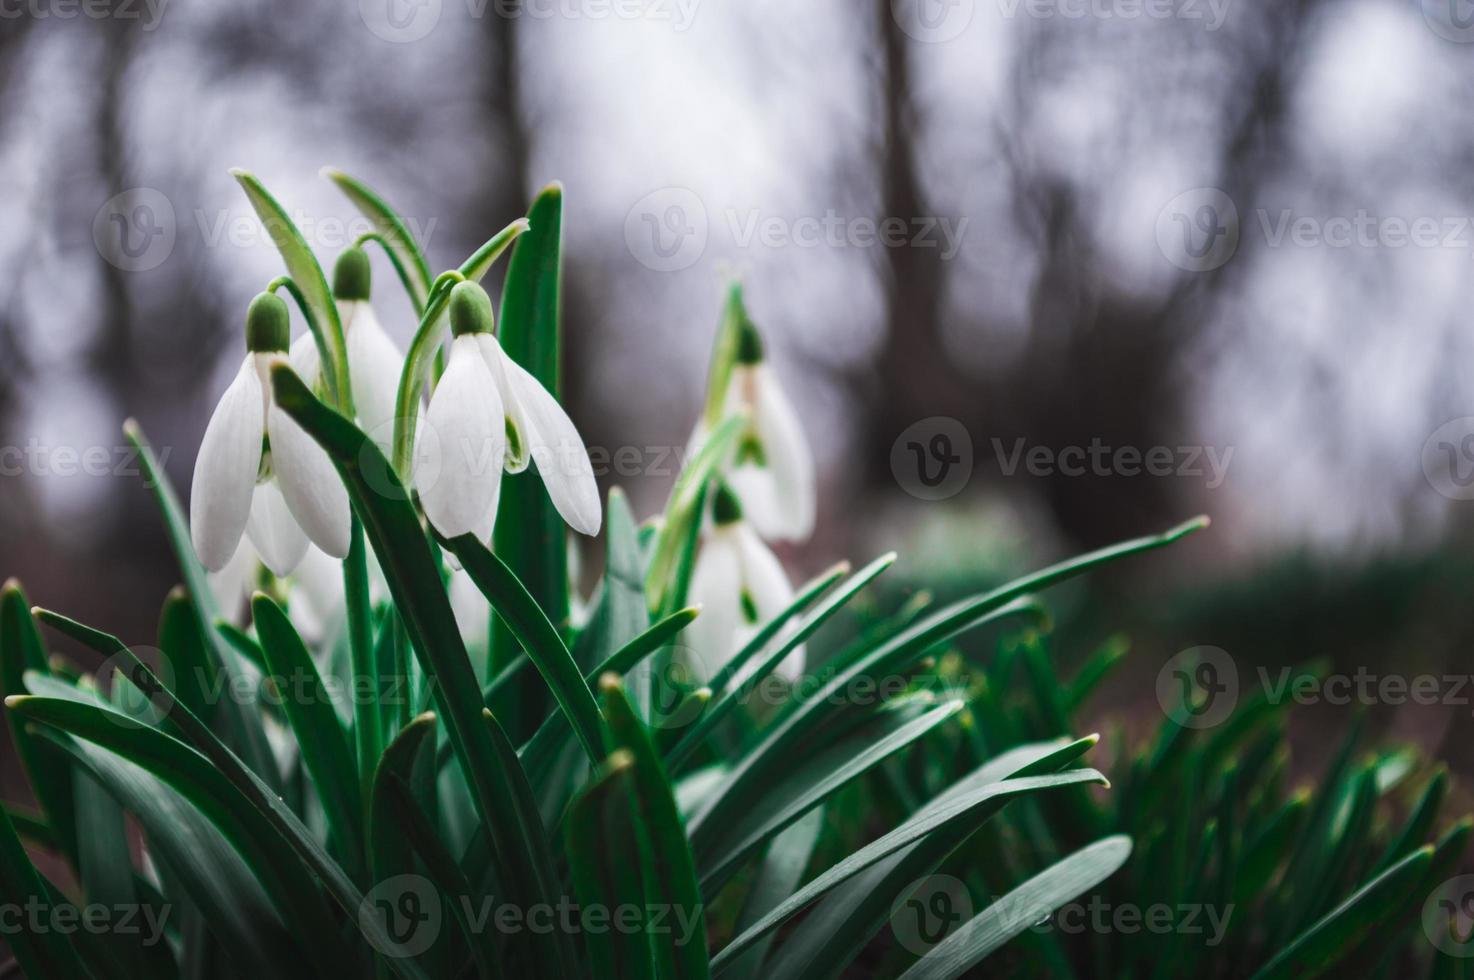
488, 414
258, 472
772, 473
739, 585
374, 361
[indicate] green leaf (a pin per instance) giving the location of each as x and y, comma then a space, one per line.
778, 876
1328, 940
970, 809
389, 849
598, 839
724, 355
620, 613
207, 867
44, 952
309, 709
1419, 824
393, 527
667, 866
725, 701
815, 774
819, 702
530, 535
46, 769
308, 277
850, 915
408, 258
523, 616
243, 728
683, 516
1020, 909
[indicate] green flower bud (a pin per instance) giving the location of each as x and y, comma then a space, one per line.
470, 309
749, 344
268, 324
725, 508
351, 275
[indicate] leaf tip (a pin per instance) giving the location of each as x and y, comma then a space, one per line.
609, 682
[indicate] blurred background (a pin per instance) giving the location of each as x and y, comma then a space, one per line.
1038, 274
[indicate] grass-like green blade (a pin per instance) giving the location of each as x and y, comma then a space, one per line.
44, 952
667, 866
47, 771
1419, 825
724, 701
598, 839
399, 542
778, 876
845, 920
905, 648
683, 515
529, 534
1327, 941
389, 848
324, 745
213, 874
1020, 909
408, 257
815, 775
525, 618
195, 676
619, 614
1093, 671
307, 274
242, 727
209, 790
969, 809
724, 355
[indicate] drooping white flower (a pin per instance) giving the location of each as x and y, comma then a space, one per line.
374, 360
772, 469
489, 414
740, 585
258, 472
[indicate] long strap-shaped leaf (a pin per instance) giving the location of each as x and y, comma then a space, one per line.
910, 645
1020, 909
599, 838
408, 258
971, 808
392, 526
668, 868
44, 952
325, 752
523, 616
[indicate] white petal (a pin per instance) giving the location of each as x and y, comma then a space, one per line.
767, 585
464, 440
555, 446
472, 611
231, 586
274, 531
786, 509
498, 362
316, 604
311, 486
304, 358
374, 363
716, 584
225, 470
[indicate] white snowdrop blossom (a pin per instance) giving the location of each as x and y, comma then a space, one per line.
258, 472
772, 470
374, 360
489, 414
740, 585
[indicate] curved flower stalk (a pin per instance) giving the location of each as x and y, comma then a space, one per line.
374, 360
740, 585
488, 414
257, 472
772, 471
